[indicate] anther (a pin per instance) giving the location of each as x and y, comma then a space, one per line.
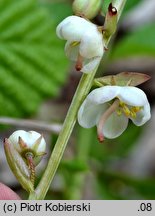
74, 43
136, 109
126, 110
133, 114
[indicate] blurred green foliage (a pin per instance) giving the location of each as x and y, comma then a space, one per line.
30, 56
58, 10
116, 185
138, 43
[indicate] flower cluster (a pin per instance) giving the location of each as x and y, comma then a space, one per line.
108, 107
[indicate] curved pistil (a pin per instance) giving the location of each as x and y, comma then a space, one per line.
29, 157
104, 117
79, 63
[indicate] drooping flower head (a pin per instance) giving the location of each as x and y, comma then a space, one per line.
111, 107
84, 42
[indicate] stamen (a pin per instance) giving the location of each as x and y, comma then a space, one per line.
79, 62
136, 109
74, 43
104, 117
133, 114
126, 110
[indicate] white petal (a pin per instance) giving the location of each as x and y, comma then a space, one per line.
71, 51
14, 138
72, 28
92, 43
29, 138
115, 126
132, 96
142, 116
103, 94
89, 113
90, 64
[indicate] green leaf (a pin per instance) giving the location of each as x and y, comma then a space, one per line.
33, 64
138, 43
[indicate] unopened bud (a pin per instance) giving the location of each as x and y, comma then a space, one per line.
24, 151
87, 8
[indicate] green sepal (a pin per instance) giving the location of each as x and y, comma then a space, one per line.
122, 79
18, 166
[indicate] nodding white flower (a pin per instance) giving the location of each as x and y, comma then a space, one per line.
84, 44
30, 141
111, 107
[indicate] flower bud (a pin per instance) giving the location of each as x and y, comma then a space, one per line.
87, 8
24, 151
30, 141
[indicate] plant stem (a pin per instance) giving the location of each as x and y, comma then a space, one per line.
81, 92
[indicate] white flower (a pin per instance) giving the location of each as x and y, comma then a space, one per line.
110, 108
30, 141
84, 42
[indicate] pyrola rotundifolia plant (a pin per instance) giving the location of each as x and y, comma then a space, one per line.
114, 100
